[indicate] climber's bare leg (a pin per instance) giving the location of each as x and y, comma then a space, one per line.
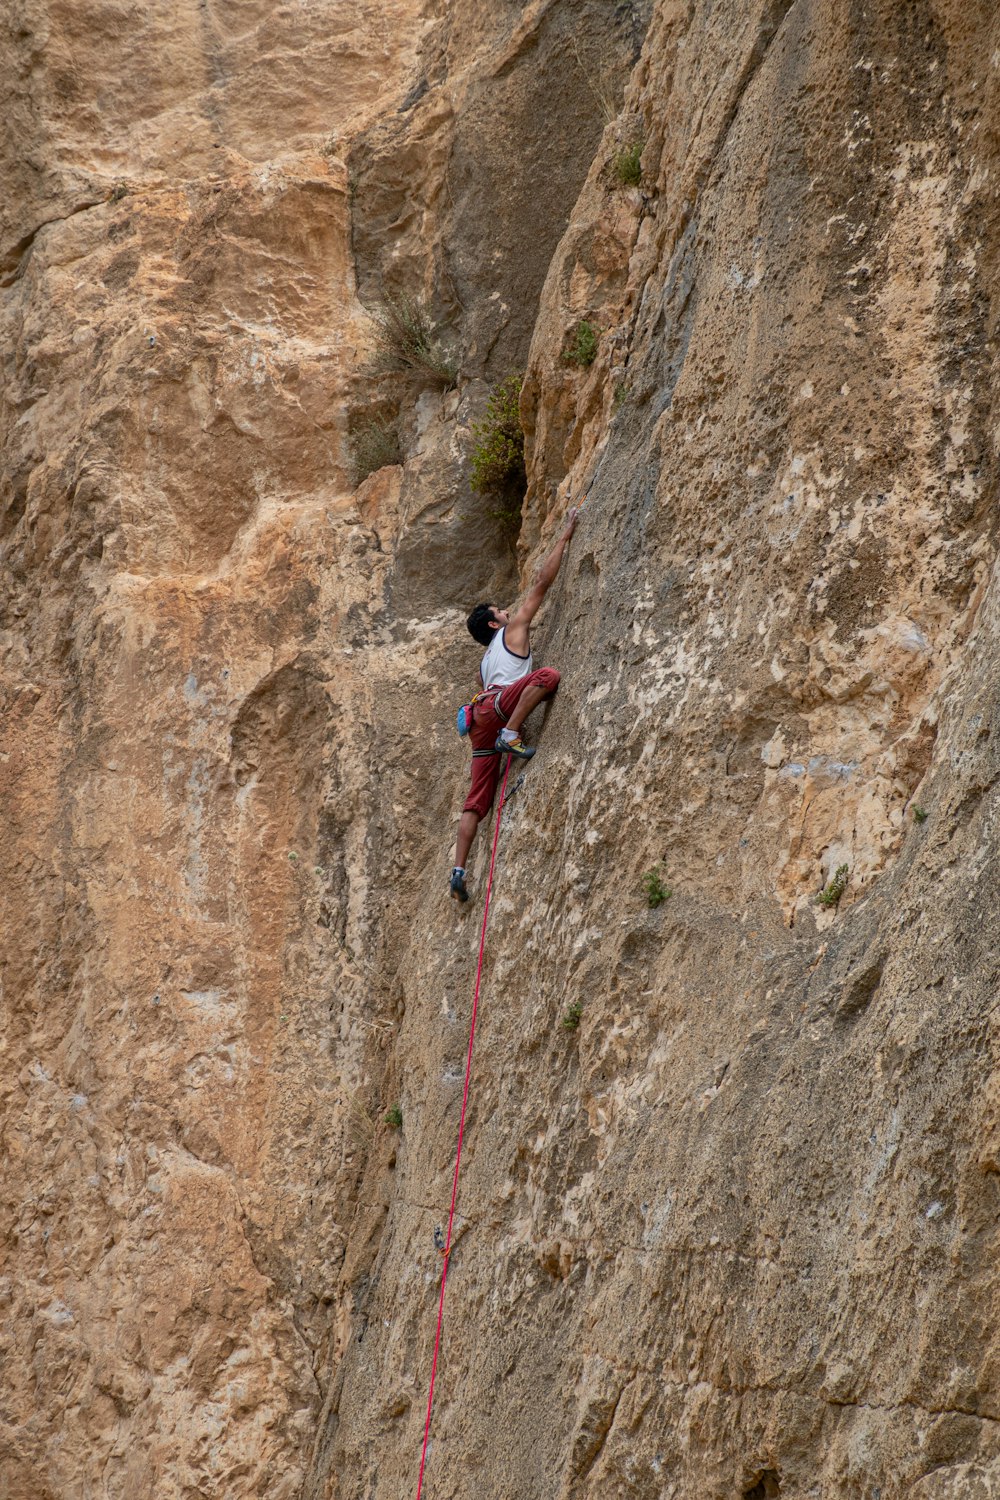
467, 825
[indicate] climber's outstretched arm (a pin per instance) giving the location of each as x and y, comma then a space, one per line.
516, 632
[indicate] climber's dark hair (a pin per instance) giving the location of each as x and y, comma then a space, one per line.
479, 624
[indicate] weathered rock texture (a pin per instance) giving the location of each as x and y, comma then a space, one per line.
736, 1234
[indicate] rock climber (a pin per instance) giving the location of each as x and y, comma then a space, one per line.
511, 690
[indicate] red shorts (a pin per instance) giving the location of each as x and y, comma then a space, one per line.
486, 725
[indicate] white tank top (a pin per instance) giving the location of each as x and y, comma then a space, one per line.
501, 667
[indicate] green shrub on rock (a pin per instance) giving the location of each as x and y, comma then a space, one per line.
497, 459
572, 1016
627, 164
583, 345
835, 887
657, 891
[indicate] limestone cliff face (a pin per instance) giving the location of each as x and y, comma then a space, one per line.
736, 1233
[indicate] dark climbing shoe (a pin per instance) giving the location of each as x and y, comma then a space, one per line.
458, 891
514, 747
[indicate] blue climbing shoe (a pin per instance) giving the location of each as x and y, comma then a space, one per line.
458, 891
514, 747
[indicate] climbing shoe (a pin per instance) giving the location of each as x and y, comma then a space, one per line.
458, 891
514, 747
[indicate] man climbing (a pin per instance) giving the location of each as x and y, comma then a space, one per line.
512, 690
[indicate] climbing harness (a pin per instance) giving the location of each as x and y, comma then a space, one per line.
466, 714
446, 1248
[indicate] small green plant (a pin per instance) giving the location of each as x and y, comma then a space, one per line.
656, 891
835, 887
394, 1117
292, 855
409, 342
621, 395
497, 459
374, 443
626, 164
583, 345
920, 815
572, 1015
118, 192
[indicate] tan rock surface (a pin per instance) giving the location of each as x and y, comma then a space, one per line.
736, 1234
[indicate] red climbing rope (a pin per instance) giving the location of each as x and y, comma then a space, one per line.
446, 1257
